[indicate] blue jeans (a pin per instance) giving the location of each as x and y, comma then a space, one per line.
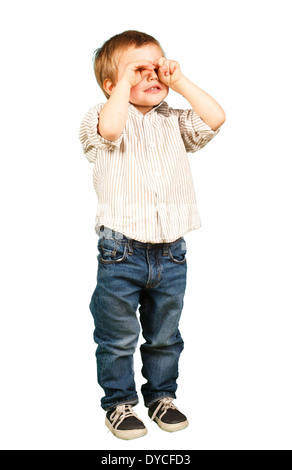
132, 273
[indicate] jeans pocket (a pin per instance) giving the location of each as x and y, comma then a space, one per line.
111, 251
178, 251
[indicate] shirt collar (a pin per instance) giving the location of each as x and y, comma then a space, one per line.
162, 108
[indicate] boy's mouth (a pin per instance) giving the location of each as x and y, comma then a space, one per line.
153, 89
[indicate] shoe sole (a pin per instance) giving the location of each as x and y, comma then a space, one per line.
171, 427
126, 434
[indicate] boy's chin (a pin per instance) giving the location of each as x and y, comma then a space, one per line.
151, 102
145, 108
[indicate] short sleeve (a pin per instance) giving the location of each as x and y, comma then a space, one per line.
92, 142
194, 131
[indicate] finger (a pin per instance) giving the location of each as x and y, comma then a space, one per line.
172, 66
163, 68
149, 67
161, 61
143, 64
144, 67
166, 68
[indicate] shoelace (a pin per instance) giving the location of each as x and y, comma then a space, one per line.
120, 413
165, 404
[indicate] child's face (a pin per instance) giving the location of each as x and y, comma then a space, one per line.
144, 100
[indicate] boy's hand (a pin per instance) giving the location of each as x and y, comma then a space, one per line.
169, 71
132, 71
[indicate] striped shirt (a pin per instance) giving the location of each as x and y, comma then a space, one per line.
143, 179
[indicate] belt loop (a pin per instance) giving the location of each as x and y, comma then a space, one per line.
130, 246
165, 249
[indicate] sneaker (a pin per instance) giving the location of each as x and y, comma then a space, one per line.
167, 416
124, 423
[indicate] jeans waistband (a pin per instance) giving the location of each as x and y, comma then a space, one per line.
109, 233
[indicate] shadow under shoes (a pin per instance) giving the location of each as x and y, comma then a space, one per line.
124, 423
167, 416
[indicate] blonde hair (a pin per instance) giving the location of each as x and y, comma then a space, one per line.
105, 59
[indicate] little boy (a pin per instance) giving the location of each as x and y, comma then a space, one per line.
143, 181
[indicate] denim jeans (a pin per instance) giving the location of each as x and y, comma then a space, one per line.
133, 274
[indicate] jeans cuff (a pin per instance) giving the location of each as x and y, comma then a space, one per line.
129, 401
157, 396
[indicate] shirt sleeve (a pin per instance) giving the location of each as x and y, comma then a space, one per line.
92, 142
194, 131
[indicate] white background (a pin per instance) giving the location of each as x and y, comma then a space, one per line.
235, 373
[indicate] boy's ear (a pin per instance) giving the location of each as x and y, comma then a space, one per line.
108, 86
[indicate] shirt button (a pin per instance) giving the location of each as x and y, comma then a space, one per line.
151, 144
158, 174
163, 205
